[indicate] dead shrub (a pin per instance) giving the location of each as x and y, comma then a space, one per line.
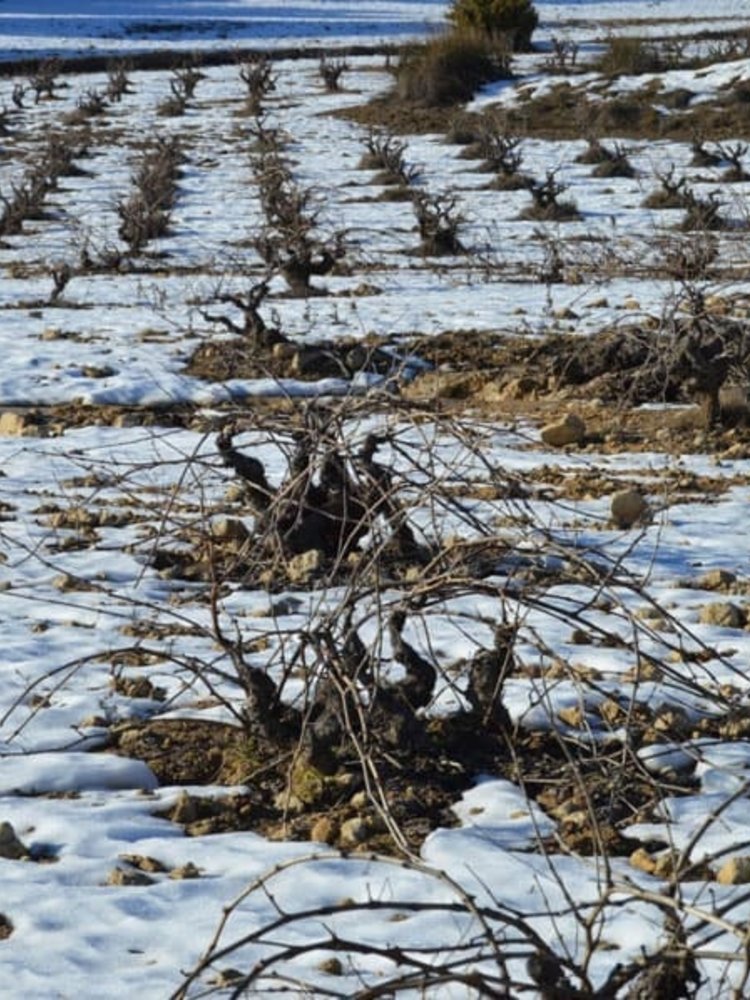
439, 220
703, 157
615, 163
118, 80
672, 193
735, 172
546, 205
89, 105
463, 129
385, 153
257, 73
703, 214
144, 215
43, 80
632, 114
564, 55
291, 243
331, 71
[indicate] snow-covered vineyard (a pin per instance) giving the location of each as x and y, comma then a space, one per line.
375, 575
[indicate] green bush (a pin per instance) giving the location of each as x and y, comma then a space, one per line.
449, 68
515, 18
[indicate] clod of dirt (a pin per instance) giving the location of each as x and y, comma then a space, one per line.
570, 430
722, 613
11, 847
627, 507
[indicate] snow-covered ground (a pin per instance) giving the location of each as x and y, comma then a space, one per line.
83, 508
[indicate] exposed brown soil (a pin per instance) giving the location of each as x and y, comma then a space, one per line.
282, 799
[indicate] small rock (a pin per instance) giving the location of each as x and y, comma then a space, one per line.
735, 871
324, 830
284, 351
302, 568
579, 637
627, 507
127, 418
188, 870
13, 424
722, 613
203, 827
11, 847
97, 371
642, 860
289, 803
443, 384
570, 430
6, 927
519, 388
611, 712
235, 492
358, 800
354, 831
227, 977
717, 579
332, 966
285, 606
122, 876
185, 809
231, 529
573, 716
143, 863
666, 864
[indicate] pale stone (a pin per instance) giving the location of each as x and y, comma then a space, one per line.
735, 871
717, 579
324, 830
231, 529
121, 876
13, 424
354, 831
573, 716
570, 430
642, 860
303, 567
627, 507
188, 870
722, 613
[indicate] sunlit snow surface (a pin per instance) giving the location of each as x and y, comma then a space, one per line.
125, 340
